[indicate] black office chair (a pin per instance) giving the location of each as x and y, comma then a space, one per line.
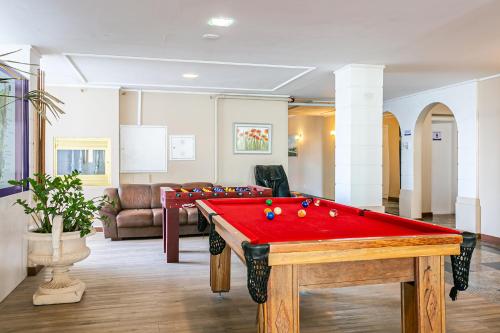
273, 176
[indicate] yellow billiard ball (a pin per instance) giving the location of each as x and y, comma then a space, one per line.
277, 211
267, 210
301, 213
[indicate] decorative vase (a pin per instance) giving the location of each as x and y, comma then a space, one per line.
58, 251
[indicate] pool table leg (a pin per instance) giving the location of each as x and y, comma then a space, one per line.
280, 314
423, 301
220, 271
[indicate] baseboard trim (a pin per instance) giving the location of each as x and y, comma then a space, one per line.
34, 270
429, 214
490, 239
393, 199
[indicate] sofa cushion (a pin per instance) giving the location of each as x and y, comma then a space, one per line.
157, 216
188, 216
135, 196
197, 184
155, 193
133, 218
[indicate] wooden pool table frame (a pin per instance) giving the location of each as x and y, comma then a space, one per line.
417, 262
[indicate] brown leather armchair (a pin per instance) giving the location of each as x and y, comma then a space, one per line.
138, 211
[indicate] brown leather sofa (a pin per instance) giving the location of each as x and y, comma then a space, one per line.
138, 211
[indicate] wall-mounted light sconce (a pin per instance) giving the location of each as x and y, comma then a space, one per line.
332, 132
299, 137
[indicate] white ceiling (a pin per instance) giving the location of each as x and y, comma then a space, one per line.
424, 44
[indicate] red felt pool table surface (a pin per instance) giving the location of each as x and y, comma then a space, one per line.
247, 216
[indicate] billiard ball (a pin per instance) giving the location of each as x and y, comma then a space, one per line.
317, 202
333, 212
277, 211
305, 203
301, 213
267, 210
269, 202
270, 215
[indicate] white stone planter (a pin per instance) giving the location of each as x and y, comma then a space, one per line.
58, 251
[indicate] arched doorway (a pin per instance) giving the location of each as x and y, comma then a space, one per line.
391, 163
436, 163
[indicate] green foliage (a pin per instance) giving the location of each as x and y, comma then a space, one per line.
62, 196
41, 100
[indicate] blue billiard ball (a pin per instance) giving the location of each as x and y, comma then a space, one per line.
270, 215
305, 203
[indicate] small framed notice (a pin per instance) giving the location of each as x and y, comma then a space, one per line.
182, 147
437, 136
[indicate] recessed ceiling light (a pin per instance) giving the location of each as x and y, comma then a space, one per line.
220, 21
211, 36
190, 76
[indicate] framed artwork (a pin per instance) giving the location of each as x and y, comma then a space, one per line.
182, 147
292, 146
252, 138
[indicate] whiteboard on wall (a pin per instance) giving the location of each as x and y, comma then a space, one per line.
143, 148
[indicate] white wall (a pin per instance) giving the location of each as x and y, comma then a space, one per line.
462, 101
239, 168
182, 114
195, 114
305, 171
489, 155
13, 221
444, 166
89, 113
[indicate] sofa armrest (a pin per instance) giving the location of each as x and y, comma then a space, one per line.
112, 194
109, 212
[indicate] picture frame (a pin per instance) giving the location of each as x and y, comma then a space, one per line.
292, 146
252, 138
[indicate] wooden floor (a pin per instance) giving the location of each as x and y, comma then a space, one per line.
131, 289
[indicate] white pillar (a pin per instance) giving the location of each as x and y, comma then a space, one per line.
358, 135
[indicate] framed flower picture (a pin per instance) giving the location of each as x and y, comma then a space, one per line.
252, 138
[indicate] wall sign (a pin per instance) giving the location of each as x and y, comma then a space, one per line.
437, 136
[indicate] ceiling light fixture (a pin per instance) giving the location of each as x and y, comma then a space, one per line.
190, 76
221, 21
210, 36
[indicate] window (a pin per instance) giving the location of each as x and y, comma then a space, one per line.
13, 132
90, 156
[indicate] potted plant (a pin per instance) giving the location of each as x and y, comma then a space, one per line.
62, 219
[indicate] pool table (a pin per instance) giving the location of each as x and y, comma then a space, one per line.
333, 245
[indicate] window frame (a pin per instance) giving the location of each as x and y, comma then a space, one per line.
64, 143
21, 133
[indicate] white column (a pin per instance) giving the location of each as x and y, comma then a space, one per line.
358, 135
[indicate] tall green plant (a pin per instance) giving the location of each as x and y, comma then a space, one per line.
39, 99
62, 195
